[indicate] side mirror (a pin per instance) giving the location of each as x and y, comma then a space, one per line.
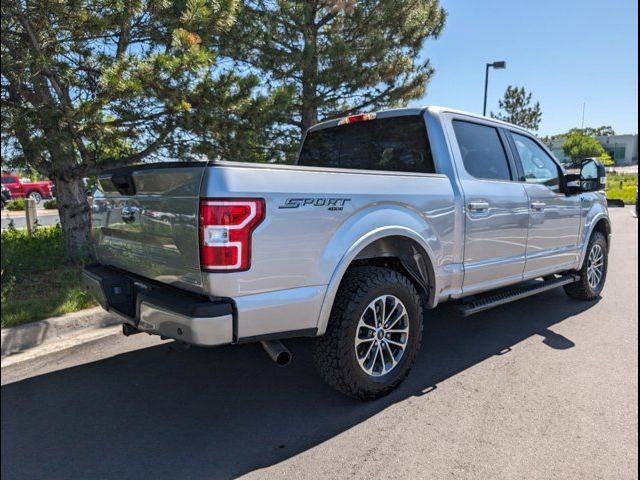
593, 175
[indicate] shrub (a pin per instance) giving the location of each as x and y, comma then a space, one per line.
50, 204
8, 282
37, 280
16, 205
23, 254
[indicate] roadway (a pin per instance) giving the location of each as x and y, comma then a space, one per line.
540, 389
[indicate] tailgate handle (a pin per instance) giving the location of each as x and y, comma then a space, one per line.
128, 214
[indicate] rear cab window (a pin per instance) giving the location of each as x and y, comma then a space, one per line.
397, 144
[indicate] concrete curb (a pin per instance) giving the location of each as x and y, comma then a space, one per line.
8, 215
23, 337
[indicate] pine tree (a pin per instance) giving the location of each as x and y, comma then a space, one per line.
336, 57
517, 108
90, 85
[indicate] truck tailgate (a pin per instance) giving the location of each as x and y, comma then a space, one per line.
145, 221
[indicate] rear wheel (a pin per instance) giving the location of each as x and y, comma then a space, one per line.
35, 196
374, 333
593, 273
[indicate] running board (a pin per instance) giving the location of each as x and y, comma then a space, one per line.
490, 300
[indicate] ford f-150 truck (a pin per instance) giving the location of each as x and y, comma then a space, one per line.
384, 216
20, 189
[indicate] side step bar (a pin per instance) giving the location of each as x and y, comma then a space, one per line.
490, 300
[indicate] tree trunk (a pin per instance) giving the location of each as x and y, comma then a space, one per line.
309, 70
75, 220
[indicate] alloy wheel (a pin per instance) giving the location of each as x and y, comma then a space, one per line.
595, 267
382, 335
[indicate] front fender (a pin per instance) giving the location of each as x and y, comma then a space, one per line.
596, 210
373, 224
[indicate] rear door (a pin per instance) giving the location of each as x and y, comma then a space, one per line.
495, 206
145, 221
555, 218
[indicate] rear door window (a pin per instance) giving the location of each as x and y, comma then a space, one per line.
396, 144
483, 153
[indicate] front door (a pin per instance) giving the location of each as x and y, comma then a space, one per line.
555, 218
496, 208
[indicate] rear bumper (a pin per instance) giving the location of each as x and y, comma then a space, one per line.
159, 309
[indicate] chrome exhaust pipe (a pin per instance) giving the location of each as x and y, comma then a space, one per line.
277, 351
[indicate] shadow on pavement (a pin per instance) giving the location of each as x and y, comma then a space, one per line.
219, 413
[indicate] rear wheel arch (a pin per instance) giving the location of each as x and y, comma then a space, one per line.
400, 251
402, 254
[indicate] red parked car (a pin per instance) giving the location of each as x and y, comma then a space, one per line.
20, 189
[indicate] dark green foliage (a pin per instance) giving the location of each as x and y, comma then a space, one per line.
91, 85
37, 281
16, 205
516, 107
23, 254
603, 131
578, 146
328, 58
50, 204
108, 83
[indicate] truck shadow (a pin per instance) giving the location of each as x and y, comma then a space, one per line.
219, 413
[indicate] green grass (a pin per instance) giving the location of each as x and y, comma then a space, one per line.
43, 295
37, 281
622, 187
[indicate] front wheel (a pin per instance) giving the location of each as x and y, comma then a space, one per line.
593, 273
374, 333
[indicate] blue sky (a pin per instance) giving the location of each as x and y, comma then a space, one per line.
565, 52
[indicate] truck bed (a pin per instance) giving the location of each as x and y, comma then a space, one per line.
152, 228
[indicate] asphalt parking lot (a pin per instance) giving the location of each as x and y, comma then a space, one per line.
539, 389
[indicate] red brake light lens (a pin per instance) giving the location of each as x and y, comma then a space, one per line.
226, 226
361, 117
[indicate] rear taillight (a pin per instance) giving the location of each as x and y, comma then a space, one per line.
226, 226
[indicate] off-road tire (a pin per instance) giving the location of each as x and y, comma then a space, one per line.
334, 353
581, 290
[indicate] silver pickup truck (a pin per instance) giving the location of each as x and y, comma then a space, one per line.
385, 215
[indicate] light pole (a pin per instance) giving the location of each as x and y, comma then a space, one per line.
498, 66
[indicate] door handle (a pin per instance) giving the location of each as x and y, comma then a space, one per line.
478, 206
538, 205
